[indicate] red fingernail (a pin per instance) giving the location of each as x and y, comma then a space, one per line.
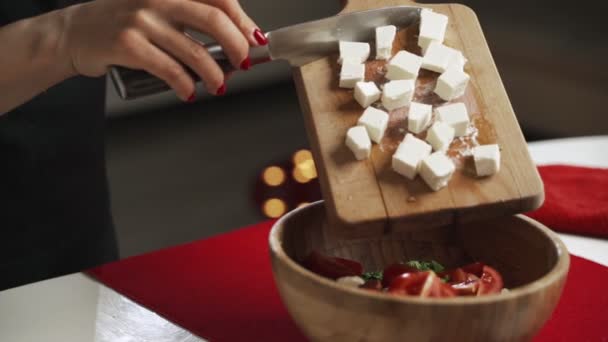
246, 63
260, 37
221, 90
191, 97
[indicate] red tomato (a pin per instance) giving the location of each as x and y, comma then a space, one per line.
468, 287
332, 267
410, 283
456, 275
372, 284
490, 281
475, 268
393, 271
423, 284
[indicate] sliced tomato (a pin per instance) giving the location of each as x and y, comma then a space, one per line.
490, 281
475, 268
469, 287
393, 271
456, 275
372, 284
410, 283
332, 267
422, 284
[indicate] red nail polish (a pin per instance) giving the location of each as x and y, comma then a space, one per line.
191, 97
246, 63
221, 90
260, 37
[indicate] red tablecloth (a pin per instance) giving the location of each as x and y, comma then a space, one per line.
222, 288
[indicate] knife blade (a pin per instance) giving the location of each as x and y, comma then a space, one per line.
297, 44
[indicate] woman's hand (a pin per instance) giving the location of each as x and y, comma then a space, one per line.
148, 35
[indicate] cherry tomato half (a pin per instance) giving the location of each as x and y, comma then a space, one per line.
392, 271
490, 281
332, 267
423, 284
475, 268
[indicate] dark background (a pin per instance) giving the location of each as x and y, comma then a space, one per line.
184, 172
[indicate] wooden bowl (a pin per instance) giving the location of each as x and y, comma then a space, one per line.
533, 261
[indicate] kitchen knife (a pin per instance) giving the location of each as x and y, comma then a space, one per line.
298, 44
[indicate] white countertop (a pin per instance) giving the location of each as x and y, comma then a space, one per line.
76, 308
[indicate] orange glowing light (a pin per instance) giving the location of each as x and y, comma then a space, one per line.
273, 176
299, 176
274, 207
301, 156
307, 169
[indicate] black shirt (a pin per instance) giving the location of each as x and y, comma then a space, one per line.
54, 204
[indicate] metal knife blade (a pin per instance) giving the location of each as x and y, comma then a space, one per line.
298, 44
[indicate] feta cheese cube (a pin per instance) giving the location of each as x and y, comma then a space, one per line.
436, 170
432, 28
358, 141
452, 83
351, 281
403, 66
409, 154
397, 94
487, 159
419, 117
440, 136
366, 93
455, 115
384, 41
375, 121
355, 52
350, 74
437, 57
458, 60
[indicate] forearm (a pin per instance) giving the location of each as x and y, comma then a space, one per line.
34, 57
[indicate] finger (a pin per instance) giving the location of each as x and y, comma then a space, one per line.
189, 52
139, 53
213, 21
247, 26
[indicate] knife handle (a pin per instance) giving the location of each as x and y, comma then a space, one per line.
132, 83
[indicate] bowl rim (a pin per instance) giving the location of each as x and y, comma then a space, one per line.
560, 269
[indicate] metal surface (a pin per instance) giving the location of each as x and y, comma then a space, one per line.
303, 43
120, 319
298, 44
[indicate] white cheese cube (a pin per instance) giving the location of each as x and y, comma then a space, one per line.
458, 60
384, 41
440, 136
455, 115
351, 73
355, 52
366, 93
358, 141
487, 159
419, 117
452, 83
437, 57
409, 154
403, 66
432, 28
375, 121
351, 281
436, 170
397, 94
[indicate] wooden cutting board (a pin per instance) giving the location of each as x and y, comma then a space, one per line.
367, 198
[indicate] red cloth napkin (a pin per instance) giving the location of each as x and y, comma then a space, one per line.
576, 200
222, 288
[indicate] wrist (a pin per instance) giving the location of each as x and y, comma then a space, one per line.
53, 48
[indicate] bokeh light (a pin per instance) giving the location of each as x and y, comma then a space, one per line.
301, 156
274, 207
307, 169
273, 176
298, 176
